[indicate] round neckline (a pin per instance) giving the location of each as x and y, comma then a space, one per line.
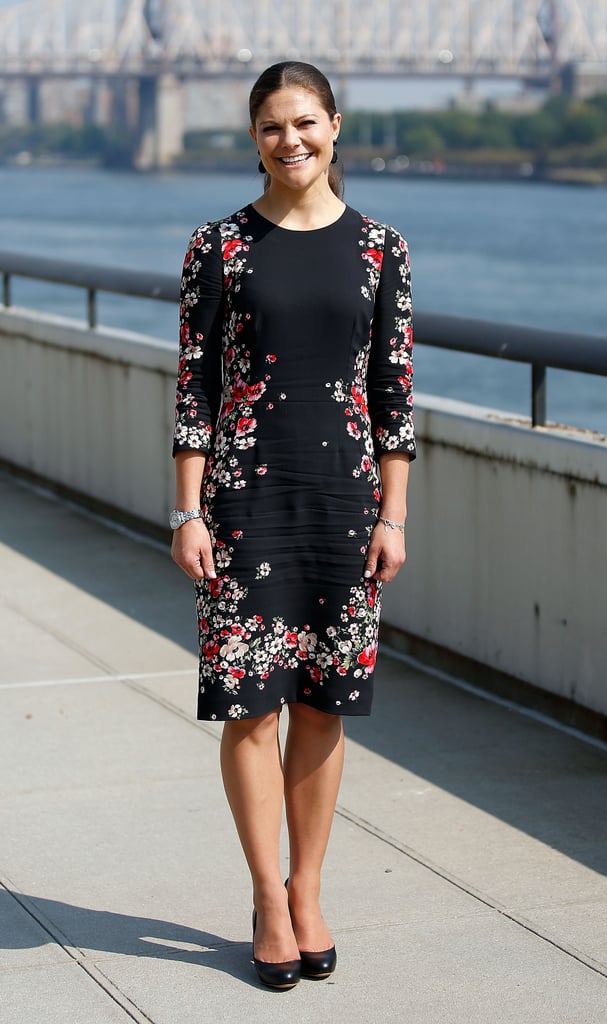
299, 231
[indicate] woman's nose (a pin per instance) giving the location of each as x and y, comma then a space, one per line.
291, 136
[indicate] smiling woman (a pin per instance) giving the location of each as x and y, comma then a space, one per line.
294, 120
292, 445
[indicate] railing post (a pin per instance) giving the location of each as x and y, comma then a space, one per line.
6, 289
538, 395
92, 307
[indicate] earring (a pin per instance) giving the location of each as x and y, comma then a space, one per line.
334, 157
260, 166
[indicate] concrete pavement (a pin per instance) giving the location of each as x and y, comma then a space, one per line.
465, 880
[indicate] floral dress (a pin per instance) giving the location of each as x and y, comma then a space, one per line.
294, 377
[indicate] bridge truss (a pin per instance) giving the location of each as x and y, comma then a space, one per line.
233, 38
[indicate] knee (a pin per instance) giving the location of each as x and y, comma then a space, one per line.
303, 717
260, 730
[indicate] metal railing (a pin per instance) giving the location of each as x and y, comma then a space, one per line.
539, 349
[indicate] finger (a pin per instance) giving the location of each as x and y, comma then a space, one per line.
371, 562
207, 568
389, 570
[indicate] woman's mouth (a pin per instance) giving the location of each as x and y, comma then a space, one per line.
293, 161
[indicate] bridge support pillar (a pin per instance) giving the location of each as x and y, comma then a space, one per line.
161, 121
170, 117
33, 100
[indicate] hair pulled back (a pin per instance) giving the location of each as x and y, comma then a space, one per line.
304, 76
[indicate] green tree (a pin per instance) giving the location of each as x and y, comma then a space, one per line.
583, 124
536, 131
424, 142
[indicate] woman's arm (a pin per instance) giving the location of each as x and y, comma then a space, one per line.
386, 552
191, 548
389, 385
198, 397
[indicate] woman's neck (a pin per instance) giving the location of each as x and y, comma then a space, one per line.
300, 211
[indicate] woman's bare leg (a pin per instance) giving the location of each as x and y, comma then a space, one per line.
313, 764
254, 784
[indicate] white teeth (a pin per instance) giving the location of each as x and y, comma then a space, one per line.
294, 159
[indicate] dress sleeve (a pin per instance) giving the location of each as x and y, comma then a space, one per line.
199, 380
390, 372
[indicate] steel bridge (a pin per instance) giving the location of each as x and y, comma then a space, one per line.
527, 39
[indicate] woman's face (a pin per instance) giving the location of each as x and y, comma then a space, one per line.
294, 135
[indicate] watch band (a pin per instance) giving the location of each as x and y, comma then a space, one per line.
177, 518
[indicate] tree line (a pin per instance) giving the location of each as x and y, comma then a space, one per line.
563, 130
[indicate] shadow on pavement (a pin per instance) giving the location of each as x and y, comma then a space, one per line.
106, 932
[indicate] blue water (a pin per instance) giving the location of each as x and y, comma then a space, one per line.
518, 252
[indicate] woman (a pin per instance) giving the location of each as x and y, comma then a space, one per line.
292, 445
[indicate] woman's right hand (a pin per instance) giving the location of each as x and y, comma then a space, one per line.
192, 551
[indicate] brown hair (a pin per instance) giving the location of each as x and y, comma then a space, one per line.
306, 76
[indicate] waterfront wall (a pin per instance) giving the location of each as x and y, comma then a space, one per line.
507, 531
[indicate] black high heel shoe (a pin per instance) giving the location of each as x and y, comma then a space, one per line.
280, 976
317, 965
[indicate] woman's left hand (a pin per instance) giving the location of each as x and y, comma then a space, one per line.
385, 555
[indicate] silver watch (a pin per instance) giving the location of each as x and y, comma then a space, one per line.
177, 518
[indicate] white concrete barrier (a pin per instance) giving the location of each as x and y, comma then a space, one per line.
507, 548
89, 410
507, 532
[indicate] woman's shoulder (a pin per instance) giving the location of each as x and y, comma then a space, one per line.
382, 234
224, 227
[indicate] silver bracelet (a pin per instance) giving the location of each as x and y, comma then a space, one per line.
392, 524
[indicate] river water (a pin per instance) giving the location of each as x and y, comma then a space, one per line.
516, 252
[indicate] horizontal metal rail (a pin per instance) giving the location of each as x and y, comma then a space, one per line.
539, 349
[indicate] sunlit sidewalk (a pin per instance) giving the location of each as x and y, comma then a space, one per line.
465, 880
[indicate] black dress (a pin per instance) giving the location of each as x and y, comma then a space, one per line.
294, 377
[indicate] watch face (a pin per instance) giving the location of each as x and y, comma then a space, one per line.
175, 520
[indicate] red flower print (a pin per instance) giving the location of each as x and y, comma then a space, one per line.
261, 470
240, 388
367, 657
353, 428
210, 648
291, 639
215, 587
245, 425
359, 398
365, 463
231, 247
270, 359
376, 493
342, 670
375, 257
351, 610
237, 534
255, 390
315, 674
236, 673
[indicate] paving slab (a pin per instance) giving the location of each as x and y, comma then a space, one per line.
466, 876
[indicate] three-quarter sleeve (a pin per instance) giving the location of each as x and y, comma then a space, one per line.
199, 380
390, 371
